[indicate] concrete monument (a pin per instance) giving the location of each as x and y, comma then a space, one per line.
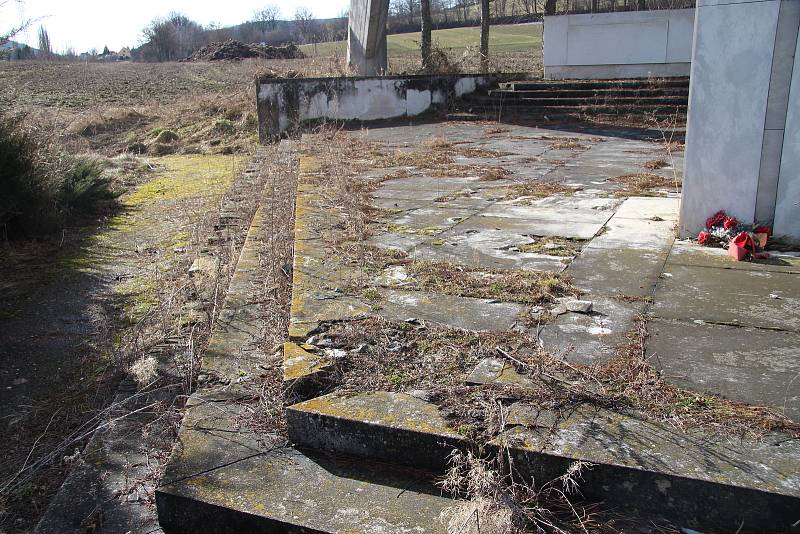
366, 37
743, 131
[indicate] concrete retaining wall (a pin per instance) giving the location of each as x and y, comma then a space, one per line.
629, 44
284, 104
743, 132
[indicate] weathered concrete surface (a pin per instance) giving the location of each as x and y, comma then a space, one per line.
697, 480
691, 254
590, 338
285, 104
494, 371
640, 466
749, 365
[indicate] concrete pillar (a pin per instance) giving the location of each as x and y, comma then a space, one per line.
741, 153
366, 37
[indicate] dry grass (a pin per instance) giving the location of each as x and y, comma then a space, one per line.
500, 502
406, 356
536, 189
528, 287
655, 164
643, 184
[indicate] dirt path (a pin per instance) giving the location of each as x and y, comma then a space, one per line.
71, 319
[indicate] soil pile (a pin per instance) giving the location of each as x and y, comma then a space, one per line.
232, 50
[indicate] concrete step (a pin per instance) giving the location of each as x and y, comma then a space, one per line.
225, 479
554, 111
696, 480
590, 101
642, 83
590, 93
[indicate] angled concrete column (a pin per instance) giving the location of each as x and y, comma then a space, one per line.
366, 36
741, 141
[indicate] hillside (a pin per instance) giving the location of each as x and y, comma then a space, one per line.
502, 38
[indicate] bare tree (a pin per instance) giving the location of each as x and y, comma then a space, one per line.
267, 17
305, 23
425, 39
485, 14
9, 33
530, 7
464, 6
549, 7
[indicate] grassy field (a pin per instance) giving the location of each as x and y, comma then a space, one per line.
505, 38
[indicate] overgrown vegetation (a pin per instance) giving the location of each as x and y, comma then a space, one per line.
41, 189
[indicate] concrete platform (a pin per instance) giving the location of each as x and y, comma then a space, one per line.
698, 479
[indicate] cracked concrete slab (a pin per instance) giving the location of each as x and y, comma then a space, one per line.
487, 248
759, 367
589, 338
610, 272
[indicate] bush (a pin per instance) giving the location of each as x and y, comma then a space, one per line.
166, 136
41, 188
224, 126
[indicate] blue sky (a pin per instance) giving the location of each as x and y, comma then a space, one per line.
86, 24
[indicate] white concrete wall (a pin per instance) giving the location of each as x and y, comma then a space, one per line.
616, 45
283, 104
741, 151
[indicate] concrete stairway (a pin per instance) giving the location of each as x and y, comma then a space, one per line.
663, 97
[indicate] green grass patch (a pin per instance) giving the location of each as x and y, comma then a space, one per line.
502, 38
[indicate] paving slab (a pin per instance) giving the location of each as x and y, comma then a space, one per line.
759, 367
611, 272
558, 227
508, 209
761, 299
488, 248
432, 217
480, 315
623, 233
496, 371
395, 241
589, 338
648, 208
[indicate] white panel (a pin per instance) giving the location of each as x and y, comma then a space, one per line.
622, 38
731, 67
787, 210
641, 42
555, 40
679, 38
